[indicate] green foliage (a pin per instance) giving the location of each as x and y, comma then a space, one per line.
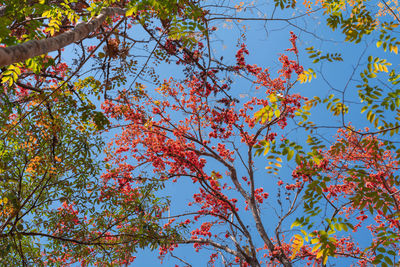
304, 113
316, 55
384, 256
283, 4
378, 105
355, 25
286, 148
386, 40
51, 140
39, 157
186, 27
335, 105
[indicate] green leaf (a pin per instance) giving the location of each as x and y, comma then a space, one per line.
388, 261
298, 159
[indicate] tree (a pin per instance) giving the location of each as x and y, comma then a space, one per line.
340, 184
359, 175
198, 128
50, 142
190, 127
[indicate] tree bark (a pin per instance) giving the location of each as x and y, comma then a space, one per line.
32, 48
2, 10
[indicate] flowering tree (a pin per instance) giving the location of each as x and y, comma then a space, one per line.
195, 130
61, 205
191, 129
355, 177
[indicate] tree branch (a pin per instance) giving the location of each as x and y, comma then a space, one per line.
32, 48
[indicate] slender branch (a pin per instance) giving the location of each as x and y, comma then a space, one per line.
262, 19
292, 209
211, 243
391, 10
180, 259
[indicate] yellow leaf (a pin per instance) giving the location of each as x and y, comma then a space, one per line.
305, 234
297, 244
376, 67
7, 78
316, 247
325, 259
316, 159
277, 113
302, 78
306, 76
131, 11
272, 98
17, 70
258, 114
266, 148
270, 115
216, 175
262, 114
319, 254
264, 118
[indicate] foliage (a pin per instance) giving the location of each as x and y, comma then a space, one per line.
61, 204
55, 208
358, 174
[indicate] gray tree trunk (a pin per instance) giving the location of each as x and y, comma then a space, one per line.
32, 48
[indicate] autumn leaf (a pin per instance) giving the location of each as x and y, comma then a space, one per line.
297, 245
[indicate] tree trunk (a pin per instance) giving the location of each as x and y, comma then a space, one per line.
32, 48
